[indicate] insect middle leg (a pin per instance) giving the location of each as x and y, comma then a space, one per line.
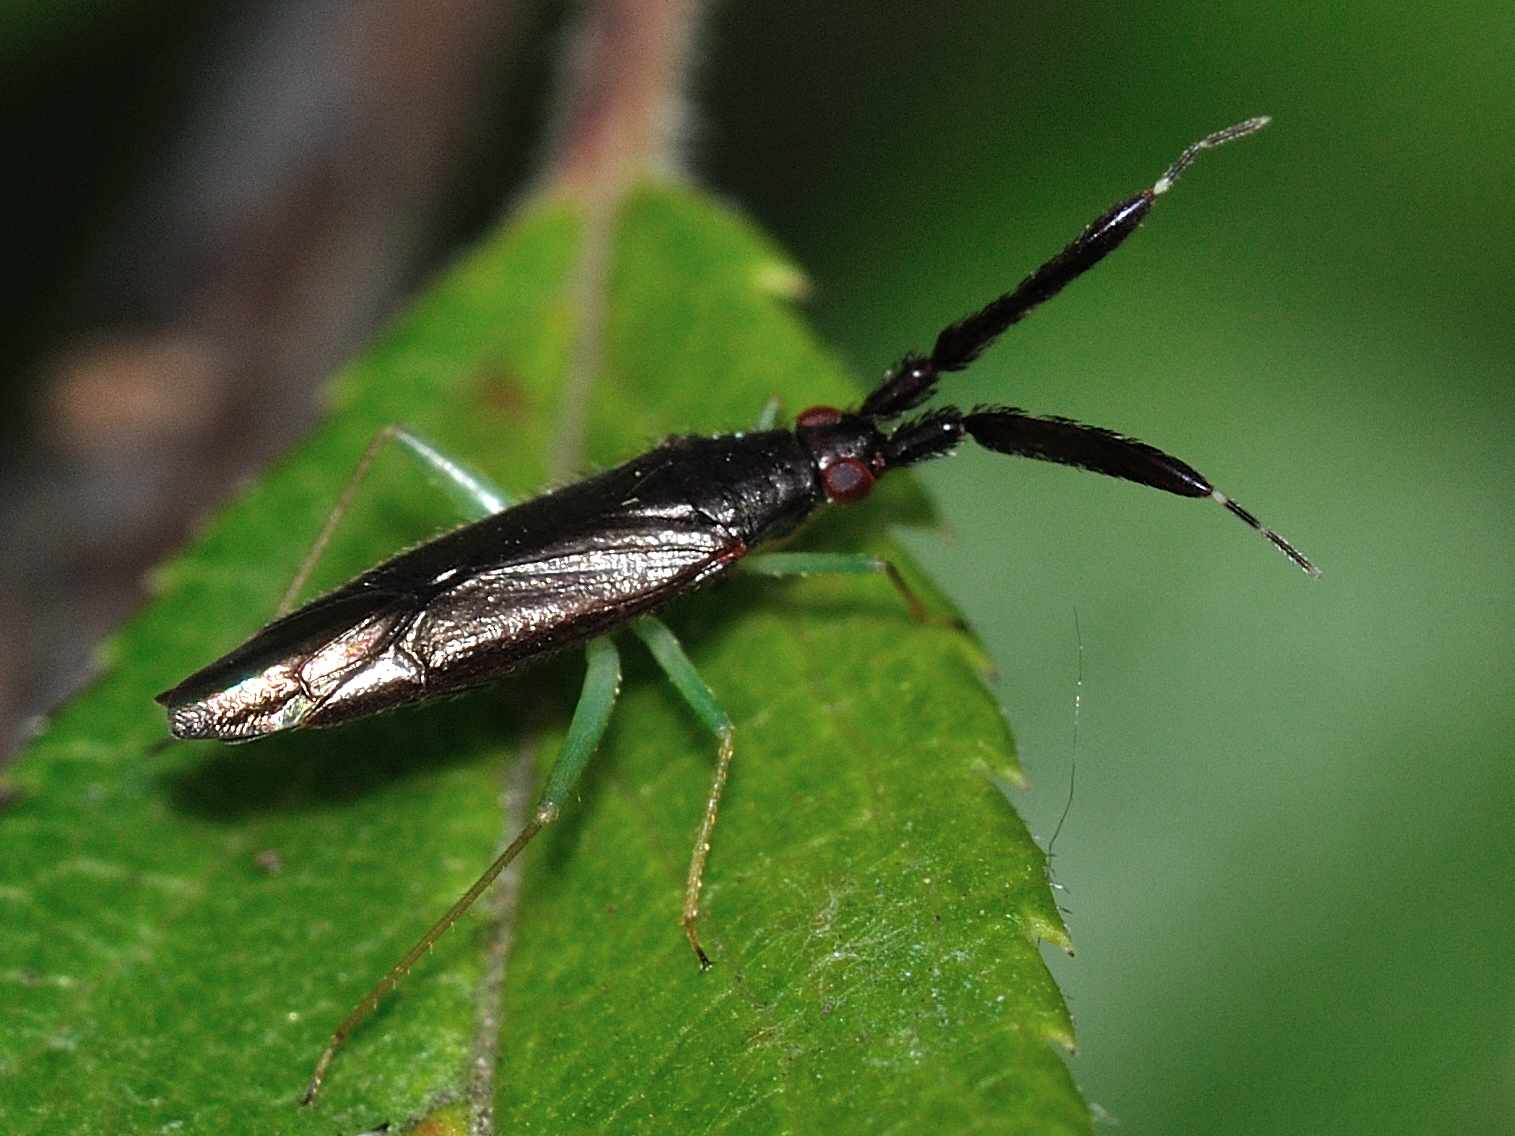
665, 648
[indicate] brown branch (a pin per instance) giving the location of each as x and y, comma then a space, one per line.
622, 108
618, 121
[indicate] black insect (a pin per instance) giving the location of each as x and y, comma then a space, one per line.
571, 566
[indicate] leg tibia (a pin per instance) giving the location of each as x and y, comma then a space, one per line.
602, 681
686, 680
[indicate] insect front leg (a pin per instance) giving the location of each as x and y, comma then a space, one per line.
779, 564
475, 494
602, 683
665, 648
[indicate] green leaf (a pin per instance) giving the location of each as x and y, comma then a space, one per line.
184, 927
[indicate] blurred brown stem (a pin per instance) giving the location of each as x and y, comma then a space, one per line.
618, 119
621, 106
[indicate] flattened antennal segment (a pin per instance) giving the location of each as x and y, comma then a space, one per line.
1208, 142
1273, 538
912, 381
1007, 430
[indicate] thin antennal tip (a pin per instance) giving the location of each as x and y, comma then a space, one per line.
1208, 142
1299, 559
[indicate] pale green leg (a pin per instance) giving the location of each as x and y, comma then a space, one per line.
665, 648
844, 563
602, 682
768, 417
473, 492
476, 494
686, 680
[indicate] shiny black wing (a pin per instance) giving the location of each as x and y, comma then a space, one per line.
466, 607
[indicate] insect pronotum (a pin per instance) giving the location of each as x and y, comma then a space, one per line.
573, 565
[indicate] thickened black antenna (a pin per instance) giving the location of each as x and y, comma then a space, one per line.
911, 382
1010, 430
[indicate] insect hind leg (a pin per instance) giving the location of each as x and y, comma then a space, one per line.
665, 648
476, 494
768, 417
602, 683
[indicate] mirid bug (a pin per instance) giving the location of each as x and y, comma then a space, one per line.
571, 566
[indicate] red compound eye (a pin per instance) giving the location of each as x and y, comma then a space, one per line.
847, 479
819, 416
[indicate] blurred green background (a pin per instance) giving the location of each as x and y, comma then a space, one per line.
1288, 861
